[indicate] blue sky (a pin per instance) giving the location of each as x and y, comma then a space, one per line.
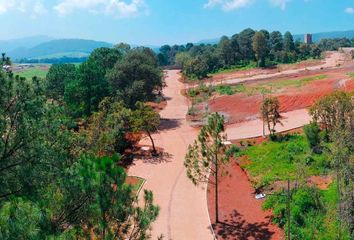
157, 22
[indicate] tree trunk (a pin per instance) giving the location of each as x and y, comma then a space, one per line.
216, 190
154, 152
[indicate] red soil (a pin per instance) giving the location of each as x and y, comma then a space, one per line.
240, 107
322, 182
240, 214
260, 71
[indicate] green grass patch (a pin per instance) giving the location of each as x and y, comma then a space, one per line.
32, 72
200, 93
313, 213
230, 89
235, 68
278, 161
351, 74
294, 82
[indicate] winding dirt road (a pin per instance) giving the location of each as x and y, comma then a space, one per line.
184, 212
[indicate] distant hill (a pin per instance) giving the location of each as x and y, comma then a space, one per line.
27, 42
58, 48
316, 36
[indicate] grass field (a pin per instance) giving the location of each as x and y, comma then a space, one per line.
251, 65
294, 82
266, 87
278, 161
351, 74
32, 72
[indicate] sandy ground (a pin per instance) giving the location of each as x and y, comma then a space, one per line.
184, 213
254, 128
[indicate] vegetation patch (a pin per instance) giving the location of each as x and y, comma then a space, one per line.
230, 89
200, 93
312, 212
241, 67
33, 72
351, 74
135, 182
294, 82
277, 161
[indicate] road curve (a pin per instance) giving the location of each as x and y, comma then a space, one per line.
184, 212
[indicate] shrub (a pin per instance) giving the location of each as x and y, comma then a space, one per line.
312, 132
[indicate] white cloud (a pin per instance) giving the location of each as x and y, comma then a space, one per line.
228, 5
6, 5
349, 10
280, 3
119, 8
32, 7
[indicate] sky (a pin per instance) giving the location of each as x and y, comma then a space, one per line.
157, 22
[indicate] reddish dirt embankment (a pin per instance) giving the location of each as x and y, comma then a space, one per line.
240, 214
241, 107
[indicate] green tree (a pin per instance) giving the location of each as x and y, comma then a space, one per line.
57, 77
105, 206
5, 60
260, 47
245, 43
181, 59
197, 67
207, 155
165, 55
137, 77
123, 48
20, 219
235, 49
276, 41
107, 130
226, 51
84, 93
312, 132
147, 120
289, 45
332, 111
342, 156
106, 58
270, 113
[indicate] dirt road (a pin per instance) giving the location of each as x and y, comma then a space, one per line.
254, 128
184, 212
332, 60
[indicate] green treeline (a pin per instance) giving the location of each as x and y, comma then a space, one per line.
249, 46
63, 141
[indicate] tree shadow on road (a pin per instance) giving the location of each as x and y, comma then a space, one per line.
169, 124
162, 157
235, 227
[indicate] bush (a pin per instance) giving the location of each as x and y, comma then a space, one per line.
225, 90
312, 132
307, 212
